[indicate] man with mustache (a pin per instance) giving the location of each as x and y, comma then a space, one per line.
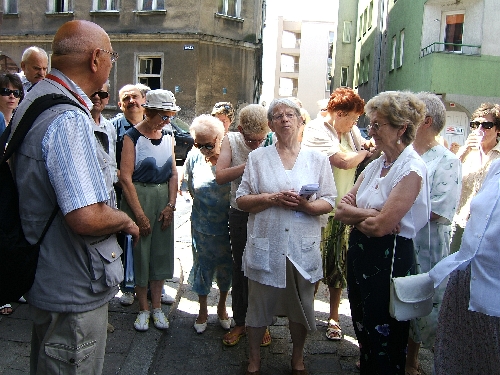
34, 63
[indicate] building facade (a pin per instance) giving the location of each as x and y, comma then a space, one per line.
441, 46
203, 51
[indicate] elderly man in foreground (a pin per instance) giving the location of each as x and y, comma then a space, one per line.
59, 163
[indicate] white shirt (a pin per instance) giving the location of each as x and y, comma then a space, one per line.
374, 190
480, 247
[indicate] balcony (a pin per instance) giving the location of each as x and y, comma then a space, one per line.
460, 49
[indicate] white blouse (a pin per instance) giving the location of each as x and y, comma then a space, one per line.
375, 190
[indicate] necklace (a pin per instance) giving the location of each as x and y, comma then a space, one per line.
388, 166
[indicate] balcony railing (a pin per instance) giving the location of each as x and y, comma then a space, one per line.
462, 49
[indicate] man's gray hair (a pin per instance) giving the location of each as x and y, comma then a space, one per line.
33, 49
434, 107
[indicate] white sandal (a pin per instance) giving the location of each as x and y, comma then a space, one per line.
333, 332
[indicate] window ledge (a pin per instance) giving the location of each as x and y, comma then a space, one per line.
226, 17
59, 14
11, 15
105, 12
150, 12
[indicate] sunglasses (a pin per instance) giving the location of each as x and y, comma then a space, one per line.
6, 92
207, 146
164, 118
225, 106
101, 94
484, 125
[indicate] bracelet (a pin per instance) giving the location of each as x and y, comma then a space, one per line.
172, 206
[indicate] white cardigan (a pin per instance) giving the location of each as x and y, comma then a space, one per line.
276, 233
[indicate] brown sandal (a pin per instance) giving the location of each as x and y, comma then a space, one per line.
231, 338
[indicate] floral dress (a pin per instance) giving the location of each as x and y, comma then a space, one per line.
432, 242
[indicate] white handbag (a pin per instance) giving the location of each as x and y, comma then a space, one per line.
410, 296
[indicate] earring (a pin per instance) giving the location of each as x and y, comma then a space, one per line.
399, 141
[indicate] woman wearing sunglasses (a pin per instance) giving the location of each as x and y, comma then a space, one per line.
209, 217
480, 149
11, 93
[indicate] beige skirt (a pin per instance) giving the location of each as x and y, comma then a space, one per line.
296, 301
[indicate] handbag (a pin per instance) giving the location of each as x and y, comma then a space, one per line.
410, 296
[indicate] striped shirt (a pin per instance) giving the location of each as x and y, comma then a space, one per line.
69, 153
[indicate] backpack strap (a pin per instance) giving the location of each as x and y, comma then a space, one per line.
39, 105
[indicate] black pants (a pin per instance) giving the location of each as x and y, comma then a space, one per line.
238, 235
382, 339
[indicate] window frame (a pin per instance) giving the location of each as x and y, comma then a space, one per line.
224, 12
444, 24
344, 72
346, 32
393, 55
401, 47
138, 56
9, 4
95, 6
154, 6
51, 7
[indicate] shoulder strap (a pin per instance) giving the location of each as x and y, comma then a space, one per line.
39, 105
32, 112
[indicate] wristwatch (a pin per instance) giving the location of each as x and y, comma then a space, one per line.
172, 206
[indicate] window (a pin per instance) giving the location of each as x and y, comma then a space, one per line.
360, 27
365, 21
149, 70
103, 5
60, 6
453, 33
393, 57
370, 15
367, 68
346, 34
401, 46
362, 72
344, 73
357, 75
231, 8
10, 6
151, 5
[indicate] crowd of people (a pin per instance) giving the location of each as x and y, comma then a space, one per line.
280, 203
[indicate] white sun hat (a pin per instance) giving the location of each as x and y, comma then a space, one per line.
162, 100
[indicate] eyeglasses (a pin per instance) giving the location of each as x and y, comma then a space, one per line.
253, 141
6, 92
100, 94
207, 146
164, 118
114, 55
227, 107
374, 126
484, 125
280, 117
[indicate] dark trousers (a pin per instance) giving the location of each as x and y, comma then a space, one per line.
382, 339
238, 235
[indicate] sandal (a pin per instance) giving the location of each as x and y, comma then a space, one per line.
333, 332
232, 338
412, 370
266, 339
6, 309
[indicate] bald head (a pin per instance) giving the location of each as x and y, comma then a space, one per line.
81, 50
